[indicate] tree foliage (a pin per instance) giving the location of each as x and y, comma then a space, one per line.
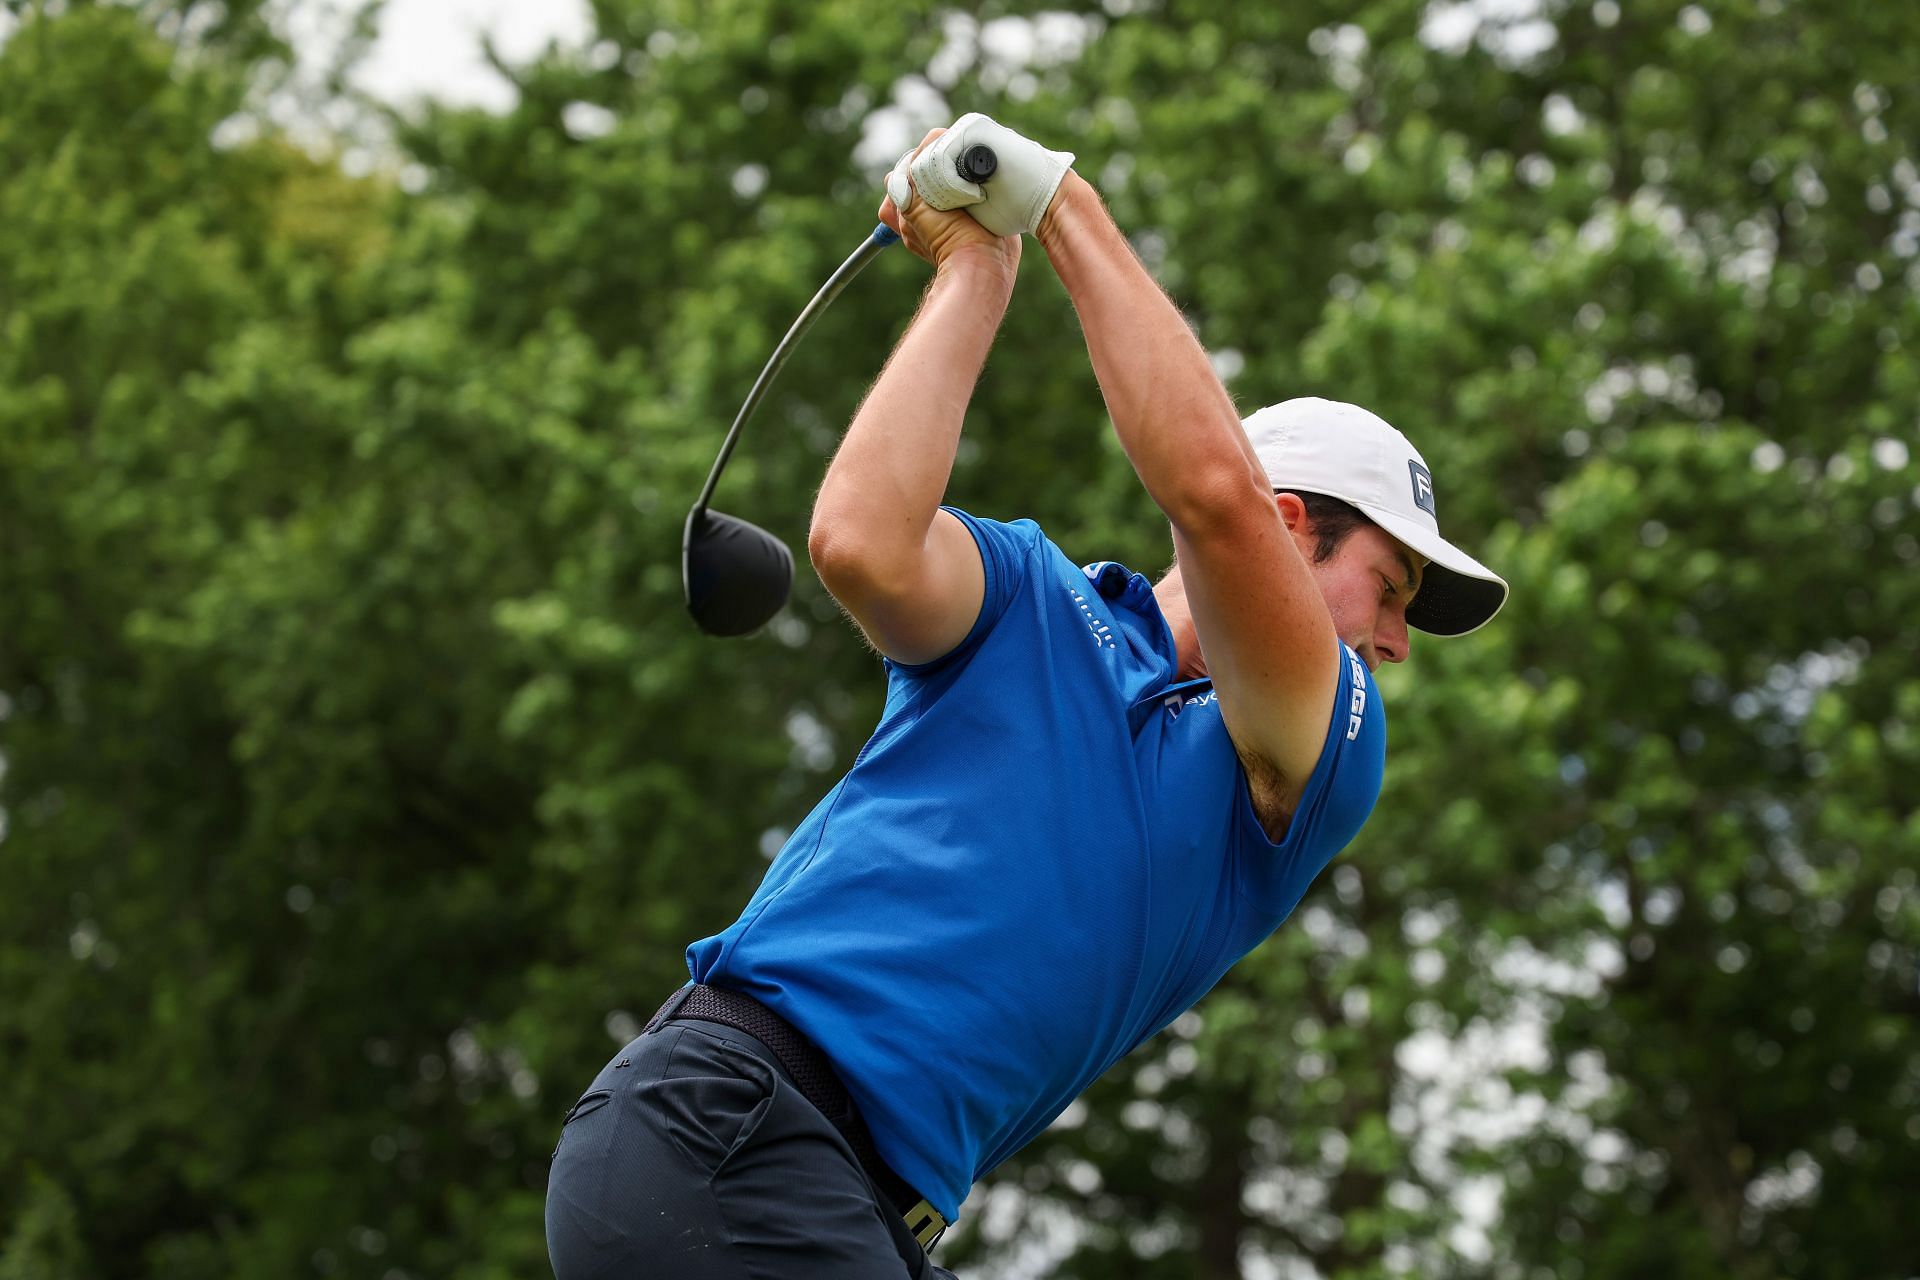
363, 780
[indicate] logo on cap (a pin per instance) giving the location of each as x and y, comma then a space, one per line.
1422, 488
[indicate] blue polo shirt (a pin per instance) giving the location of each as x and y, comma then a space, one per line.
1045, 853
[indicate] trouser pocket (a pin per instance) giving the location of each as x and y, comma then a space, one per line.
590, 1101
711, 1097
642, 1056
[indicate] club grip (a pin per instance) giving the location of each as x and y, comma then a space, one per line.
977, 163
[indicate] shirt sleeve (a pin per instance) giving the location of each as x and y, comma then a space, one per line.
1337, 800
1006, 557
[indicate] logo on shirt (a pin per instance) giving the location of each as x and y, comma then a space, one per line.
1175, 703
1102, 633
1357, 704
1422, 488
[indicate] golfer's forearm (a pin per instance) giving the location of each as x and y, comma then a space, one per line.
888, 478
1174, 419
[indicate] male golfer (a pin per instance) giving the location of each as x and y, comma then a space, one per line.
1088, 795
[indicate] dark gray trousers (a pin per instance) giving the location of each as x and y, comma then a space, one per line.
692, 1156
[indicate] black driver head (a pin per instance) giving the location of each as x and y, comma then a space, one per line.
737, 575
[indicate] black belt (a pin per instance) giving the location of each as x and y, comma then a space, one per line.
814, 1076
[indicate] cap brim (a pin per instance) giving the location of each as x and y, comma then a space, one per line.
1457, 593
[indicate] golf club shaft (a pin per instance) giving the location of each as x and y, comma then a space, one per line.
882, 237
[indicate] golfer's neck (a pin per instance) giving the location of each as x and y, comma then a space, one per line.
1171, 594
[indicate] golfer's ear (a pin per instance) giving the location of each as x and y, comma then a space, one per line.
1295, 520
914, 605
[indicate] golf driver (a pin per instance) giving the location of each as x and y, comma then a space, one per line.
736, 574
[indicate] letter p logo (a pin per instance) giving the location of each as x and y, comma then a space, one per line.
1422, 488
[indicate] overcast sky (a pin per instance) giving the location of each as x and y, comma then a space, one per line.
432, 47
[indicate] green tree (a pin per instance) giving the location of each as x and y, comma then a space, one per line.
363, 778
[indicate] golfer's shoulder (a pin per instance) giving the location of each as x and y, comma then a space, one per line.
1012, 551
1018, 535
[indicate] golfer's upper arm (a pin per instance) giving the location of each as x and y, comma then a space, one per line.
1263, 626
915, 604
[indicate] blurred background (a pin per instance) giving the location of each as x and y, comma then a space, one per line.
362, 778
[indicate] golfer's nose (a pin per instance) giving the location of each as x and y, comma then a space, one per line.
1390, 639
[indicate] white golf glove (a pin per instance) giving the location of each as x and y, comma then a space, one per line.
1011, 202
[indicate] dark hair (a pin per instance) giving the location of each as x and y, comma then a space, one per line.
1333, 520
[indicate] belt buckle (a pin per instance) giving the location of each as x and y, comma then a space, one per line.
925, 1224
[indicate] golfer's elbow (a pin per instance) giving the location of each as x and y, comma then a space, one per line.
828, 546
852, 559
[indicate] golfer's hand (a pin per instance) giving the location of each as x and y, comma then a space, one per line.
1013, 200
950, 239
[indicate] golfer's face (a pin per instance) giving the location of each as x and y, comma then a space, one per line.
1368, 584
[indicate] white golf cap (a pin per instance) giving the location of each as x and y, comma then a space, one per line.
1345, 452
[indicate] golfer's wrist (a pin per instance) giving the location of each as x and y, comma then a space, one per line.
1072, 204
979, 267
